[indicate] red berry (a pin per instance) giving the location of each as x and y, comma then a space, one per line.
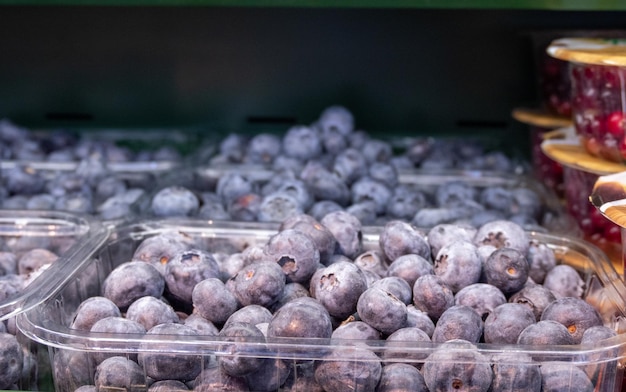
615, 124
613, 233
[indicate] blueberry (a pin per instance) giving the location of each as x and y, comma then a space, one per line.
445, 233
397, 377
574, 313
295, 252
455, 193
290, 292
432, 295
8, 263
400, 238
215, 379
246, 207
150, 311
368, 189
431, 216
168, 386
410, 267
260, 283
263, 148
507, 269
302, 378
233, 147
174, 201
91, 310
321, 208
458, 322
232, 185
251, 314
89, 388
356, 330
119, 373
115, 325
497, 198
324, 184
364, 211
336, 118
419, 319
302, 142
11, 360
545, 332
396, 349
160, 249
501, 234
396, 286
506, 322
167, 366
184, 271
349, 369
457, 365
384, 173
541, 259
536, 297
338, 287
323, 239
213, 301
600, 368
372, 260
350, 165
458, 264
515, 372
130, 281
376, 150
481, 297
301, 318
564, 281
269, 377
560, 376
346, 229
201, 325
405, 202
240, 361
295, 188
382, 310
278, 206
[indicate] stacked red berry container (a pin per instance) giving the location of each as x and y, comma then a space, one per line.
598, 80
581, 170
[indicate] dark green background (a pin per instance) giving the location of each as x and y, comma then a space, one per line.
410, 68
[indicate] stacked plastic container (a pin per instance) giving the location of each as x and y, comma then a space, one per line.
34, 246
593, 146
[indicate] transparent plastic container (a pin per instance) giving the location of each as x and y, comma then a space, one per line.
598, 79
73, 353
550, 214
25, 234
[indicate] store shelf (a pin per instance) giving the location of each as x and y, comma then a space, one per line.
571, 5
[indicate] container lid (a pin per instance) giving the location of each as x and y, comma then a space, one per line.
596, 51
540, 118
609, 197
564, 147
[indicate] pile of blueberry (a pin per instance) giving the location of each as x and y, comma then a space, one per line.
22, 259
313, 308
60, 171
331, 166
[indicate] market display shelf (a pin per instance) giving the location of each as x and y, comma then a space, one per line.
557, 5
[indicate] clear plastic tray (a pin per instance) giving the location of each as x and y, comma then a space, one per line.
47, 322
552, 217
65, 234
